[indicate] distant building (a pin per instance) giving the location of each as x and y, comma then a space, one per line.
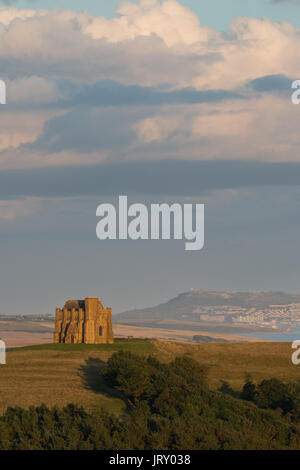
83, 321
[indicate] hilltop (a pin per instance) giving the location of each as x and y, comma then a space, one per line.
220, 312
187, 304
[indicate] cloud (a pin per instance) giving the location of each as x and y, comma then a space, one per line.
31, 91
111, 93
262, 128
169, 20
38, 92
150, 83
87, 131
20, 128
164, 177
272, 83
150, 43
11, 210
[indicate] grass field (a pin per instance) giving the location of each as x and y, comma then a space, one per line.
134, 345
57, 374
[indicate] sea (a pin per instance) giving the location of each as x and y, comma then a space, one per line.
286, 336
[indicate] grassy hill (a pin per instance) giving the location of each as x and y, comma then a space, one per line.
57, 374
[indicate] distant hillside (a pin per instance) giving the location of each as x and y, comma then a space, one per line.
188, 304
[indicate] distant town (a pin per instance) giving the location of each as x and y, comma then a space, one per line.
273, 316
240, 310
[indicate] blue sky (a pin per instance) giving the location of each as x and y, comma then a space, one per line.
214, 13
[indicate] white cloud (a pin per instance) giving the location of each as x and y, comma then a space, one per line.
258, 47
7, 15
149, 43
169, 20
155, 44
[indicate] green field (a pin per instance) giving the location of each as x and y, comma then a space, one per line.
134, 345
57, 374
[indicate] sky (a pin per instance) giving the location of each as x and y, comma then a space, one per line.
215, 13
171, 101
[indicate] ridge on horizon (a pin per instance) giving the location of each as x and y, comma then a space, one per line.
185, 303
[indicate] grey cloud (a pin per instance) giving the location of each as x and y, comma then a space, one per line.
104, 93
272, 83
110, 93
163, 177
86, 131
90, 127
